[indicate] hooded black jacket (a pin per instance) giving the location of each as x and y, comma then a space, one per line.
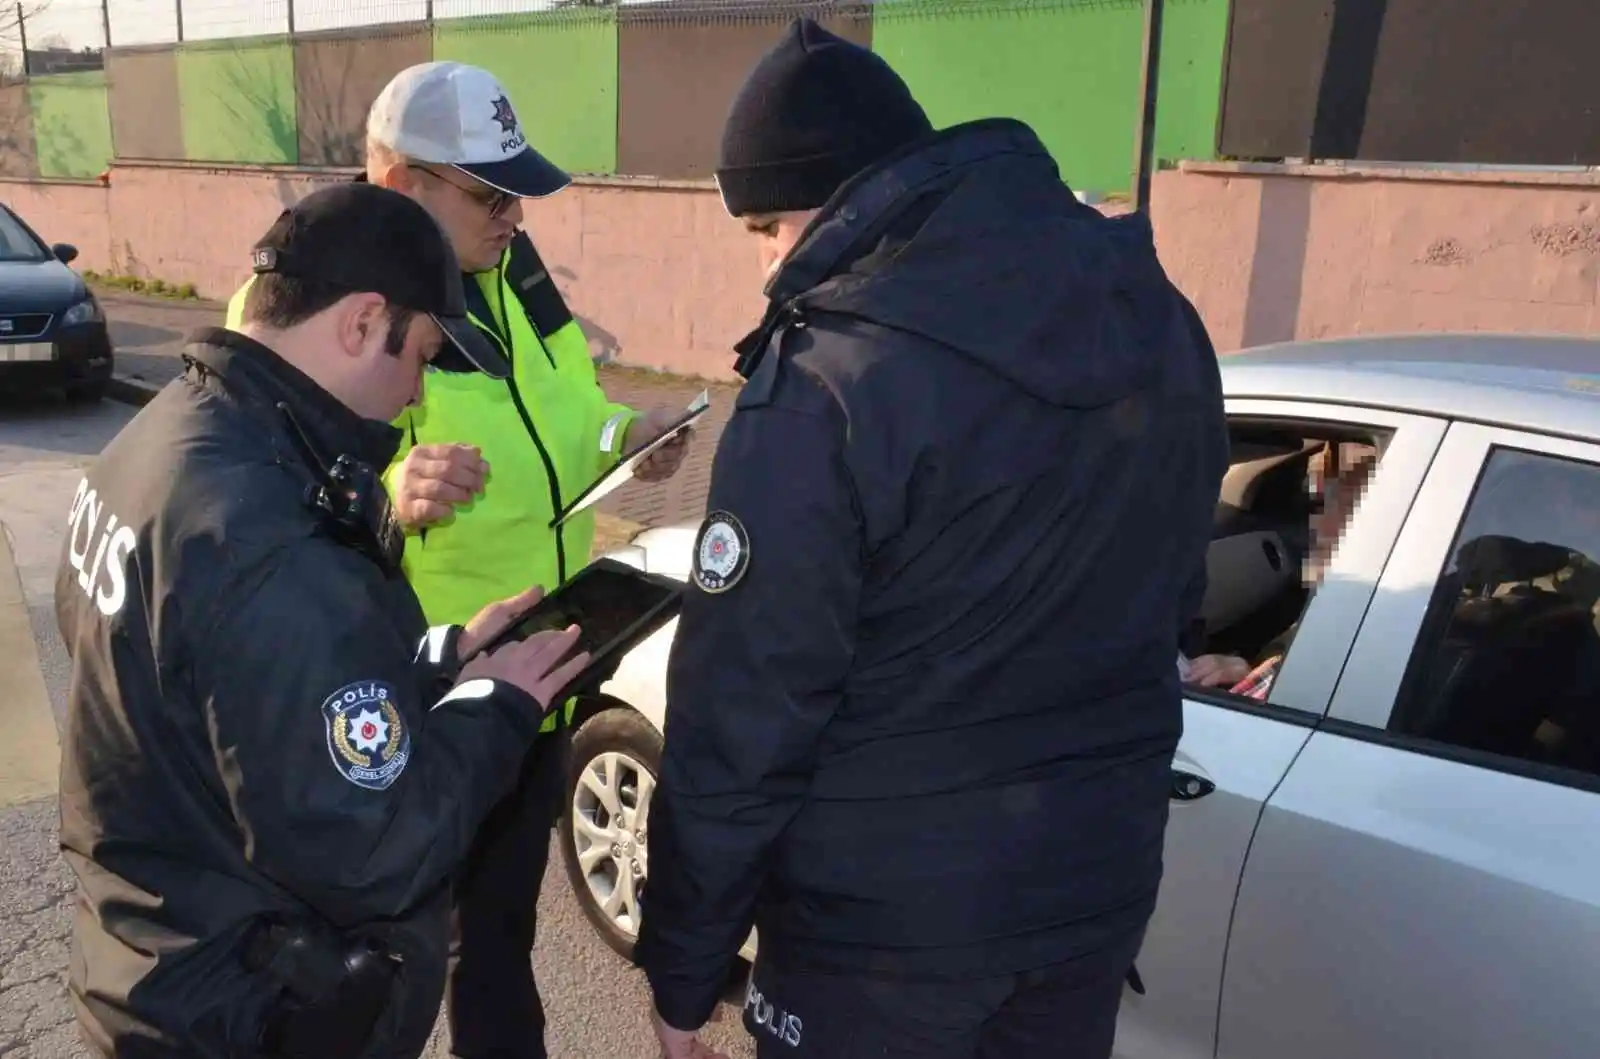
929, 732
258, 724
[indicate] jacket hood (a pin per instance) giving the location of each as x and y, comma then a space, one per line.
970, 239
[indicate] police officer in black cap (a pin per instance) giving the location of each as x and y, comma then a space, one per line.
271, 765
921, 705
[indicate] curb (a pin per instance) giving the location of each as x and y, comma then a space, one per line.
30, 756
131, 391
118, 296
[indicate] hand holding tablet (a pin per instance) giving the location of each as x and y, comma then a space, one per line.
542, 665
674, 432
614, 606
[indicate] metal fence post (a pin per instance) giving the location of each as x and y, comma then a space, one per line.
177, 7
1150, 80
290, 5
105, 20
22, 37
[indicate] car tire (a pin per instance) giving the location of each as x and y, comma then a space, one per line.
615, 755
87, 393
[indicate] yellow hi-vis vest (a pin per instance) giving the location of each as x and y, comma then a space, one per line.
547, 433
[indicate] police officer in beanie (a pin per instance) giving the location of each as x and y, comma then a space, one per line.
271, 764
922, 704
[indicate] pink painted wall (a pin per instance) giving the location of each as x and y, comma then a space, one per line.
657, 272
1271, 253
65, 212
663, 278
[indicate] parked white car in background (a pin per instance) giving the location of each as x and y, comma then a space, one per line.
1390, 857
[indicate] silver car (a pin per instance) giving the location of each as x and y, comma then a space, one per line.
1385, 853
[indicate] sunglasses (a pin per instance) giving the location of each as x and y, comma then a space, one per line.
491, 199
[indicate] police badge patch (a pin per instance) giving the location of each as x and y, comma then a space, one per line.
722, 554
367, 740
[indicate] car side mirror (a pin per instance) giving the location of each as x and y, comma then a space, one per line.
65, 253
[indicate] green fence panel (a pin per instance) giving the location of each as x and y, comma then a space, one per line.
71, 124
1070, 68
237, 101
1194, 43
19, 158
560, 69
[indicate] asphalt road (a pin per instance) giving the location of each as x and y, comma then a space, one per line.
596, 1005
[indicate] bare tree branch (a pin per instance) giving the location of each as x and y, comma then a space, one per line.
11, 13
13, 19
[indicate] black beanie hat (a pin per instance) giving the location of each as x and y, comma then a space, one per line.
815, 111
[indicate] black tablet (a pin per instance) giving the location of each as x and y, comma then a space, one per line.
614, 605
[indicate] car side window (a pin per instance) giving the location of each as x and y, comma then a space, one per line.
1507, 661
1290, 492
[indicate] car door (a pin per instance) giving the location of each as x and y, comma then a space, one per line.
1240, 750
1425, 881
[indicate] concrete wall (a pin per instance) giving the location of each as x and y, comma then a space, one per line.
657, 272
146, 120
65, 212
661, 277
1271, 252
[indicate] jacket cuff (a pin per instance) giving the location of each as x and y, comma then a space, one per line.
521, 708
614, 432
681, 1001
685, 1009
439, 656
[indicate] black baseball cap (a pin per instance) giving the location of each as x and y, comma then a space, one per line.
369, 239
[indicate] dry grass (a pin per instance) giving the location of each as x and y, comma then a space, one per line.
611, 532
633, 375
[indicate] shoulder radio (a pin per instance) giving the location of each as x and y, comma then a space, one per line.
350, 501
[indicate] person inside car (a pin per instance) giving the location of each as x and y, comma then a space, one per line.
1254, 679
1530, 609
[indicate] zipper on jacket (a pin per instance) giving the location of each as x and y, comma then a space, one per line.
527, 421
422, 531
550, 476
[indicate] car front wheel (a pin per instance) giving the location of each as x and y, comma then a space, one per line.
616, 755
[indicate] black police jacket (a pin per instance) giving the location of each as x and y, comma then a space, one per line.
258, 724
923, 703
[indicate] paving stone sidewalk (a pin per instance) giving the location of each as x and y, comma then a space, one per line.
149, 334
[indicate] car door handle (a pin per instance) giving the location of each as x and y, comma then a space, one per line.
1190, 786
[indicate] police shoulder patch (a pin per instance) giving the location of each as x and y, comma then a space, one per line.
367, 739
722, 553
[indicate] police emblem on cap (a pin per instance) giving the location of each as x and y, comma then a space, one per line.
367, 739
504, 116
722, 554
